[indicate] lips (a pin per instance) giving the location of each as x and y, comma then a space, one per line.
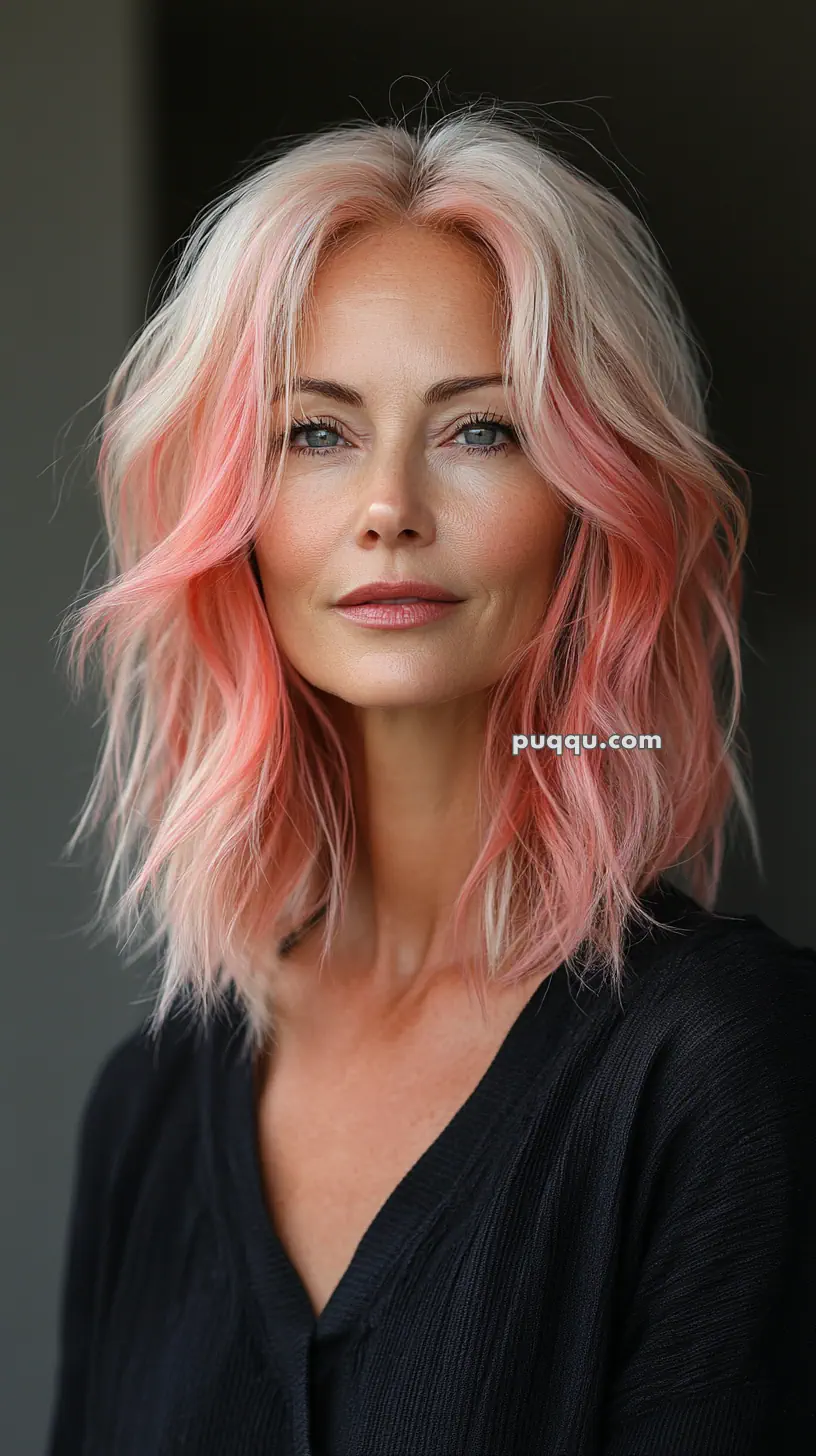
396, 591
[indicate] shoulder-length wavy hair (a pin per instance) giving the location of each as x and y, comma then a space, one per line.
230, 816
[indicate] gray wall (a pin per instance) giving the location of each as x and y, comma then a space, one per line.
72, 106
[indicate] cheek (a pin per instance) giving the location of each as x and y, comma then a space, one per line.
293, 547
523, 541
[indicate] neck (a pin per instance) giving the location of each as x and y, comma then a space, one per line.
415, 789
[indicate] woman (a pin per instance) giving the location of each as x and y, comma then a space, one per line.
478, 1136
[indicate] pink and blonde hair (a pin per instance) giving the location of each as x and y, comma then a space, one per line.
221, 780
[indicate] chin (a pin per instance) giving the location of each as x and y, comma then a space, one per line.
377, 696
361, 693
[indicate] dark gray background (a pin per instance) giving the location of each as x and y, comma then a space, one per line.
118, 125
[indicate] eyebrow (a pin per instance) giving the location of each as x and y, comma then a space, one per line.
438, 393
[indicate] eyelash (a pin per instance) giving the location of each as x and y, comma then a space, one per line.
323, 422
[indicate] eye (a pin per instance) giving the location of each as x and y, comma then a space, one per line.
313, 427
485, 423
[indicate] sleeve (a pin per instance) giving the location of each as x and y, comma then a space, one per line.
84, 1245
716, 1345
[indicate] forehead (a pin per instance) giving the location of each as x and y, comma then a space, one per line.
404, 287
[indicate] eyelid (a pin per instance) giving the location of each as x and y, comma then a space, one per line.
473, 417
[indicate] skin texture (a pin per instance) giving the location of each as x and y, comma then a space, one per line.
402, 496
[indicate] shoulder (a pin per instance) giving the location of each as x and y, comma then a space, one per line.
144, 1094
136, 1069
712, 970
723, 1015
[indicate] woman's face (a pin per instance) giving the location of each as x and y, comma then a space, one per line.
394, 487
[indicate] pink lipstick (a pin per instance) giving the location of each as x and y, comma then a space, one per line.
398, 603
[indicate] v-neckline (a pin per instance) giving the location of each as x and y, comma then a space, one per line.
286, 1319
287, 1316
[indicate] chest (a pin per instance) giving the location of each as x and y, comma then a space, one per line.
332, 1153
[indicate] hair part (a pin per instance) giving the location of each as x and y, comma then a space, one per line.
221, 782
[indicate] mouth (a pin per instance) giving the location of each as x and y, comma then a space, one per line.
397, 612
396, 593
393, 601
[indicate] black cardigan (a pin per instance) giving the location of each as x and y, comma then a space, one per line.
610, 1250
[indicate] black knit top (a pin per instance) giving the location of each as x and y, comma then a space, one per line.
610, 1250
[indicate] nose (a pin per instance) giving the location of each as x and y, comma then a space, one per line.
394, 504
